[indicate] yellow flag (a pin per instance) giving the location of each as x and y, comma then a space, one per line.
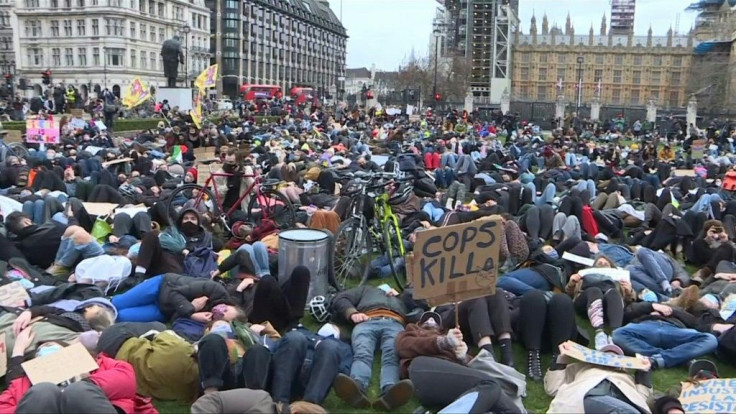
207, 79
136, 94
196, 112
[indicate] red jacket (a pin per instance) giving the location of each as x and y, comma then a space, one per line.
115, 378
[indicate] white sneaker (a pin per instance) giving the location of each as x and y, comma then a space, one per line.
601, 340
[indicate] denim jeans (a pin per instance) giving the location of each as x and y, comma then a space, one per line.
444, 177
366, 335
664, 341
587, 185
69, 253
521, 281
382, 266
607, 404
259, 256
140, 304
34, 210
435, 213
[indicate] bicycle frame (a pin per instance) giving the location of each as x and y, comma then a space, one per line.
210, 183
384, 214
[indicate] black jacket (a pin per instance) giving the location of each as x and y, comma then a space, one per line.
642, 311
366, 298
39, 243
177, 292
202, 238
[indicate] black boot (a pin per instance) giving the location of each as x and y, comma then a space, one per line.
507, 352
534, 365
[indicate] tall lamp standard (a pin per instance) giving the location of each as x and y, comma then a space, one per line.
580, 84
186, 29
436, 56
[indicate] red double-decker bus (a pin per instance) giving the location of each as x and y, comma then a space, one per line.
304, 94
252, 92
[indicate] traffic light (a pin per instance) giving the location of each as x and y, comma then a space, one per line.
438, 97
46, 76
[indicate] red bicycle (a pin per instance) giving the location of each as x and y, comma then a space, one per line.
265, 201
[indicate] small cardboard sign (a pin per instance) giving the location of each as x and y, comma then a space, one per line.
711, 396
203, 172
684, 173
204, 150
77, 113
78, 123
13, 135
99, 209
116, 161
607, 359
456, 263
13, 294
68, 363
3, 356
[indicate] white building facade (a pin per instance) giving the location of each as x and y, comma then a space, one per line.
98, 44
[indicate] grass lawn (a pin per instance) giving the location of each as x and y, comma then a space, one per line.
536, 400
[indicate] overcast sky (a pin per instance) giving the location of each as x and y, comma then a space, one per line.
383, 32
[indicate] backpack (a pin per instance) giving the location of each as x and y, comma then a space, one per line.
200, 262
729, 181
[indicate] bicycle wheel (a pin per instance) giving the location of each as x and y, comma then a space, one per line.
351, 245
273, 205
395, 251
191, 196
19, 150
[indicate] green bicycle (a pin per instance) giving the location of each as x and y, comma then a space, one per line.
357, 236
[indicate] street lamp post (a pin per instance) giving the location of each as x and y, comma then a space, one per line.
11, 70
104, 62
436, 56
186, 29
580, 85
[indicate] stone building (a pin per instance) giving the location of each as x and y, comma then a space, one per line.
618, 69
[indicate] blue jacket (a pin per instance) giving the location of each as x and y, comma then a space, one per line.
619, 254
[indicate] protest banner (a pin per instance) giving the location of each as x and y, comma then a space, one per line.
458, 262
68, 363
42, 131
608, 359
697, 149
116, 161
711, 396
13, 294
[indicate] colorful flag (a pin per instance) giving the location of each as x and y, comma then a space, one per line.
207, 79
196, 111
136, 94
559, 84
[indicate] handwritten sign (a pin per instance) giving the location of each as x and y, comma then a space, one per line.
3, 356
78, 123
13, 294
608, 359
711, 396
66, 364
77, 113
42, 131
458, 262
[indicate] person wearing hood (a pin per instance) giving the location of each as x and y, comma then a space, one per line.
38, 242
190, 226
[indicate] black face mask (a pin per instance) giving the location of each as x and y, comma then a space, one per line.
189, 229
228, 167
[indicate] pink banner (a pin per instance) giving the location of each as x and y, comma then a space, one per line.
42, 131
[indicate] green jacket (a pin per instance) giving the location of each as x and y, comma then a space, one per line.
165, 367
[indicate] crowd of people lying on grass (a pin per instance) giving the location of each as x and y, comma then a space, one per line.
176, 304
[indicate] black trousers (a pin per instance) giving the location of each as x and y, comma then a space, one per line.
613, 305
537, 222
545, 325
79, 397
155, 259
438, 382
216, 371
486, 316
282, 305
136, 226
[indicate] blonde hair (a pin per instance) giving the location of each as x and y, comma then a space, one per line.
303, 407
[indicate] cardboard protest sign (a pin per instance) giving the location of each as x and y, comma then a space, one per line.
3, 356
78, 123
684, 173
711, 396
13, 135
68, 363
591, 356
617, 275
116, 161
77, 113
42, 131
203, 172
13, 294
578, 259
458, 262
99, 209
